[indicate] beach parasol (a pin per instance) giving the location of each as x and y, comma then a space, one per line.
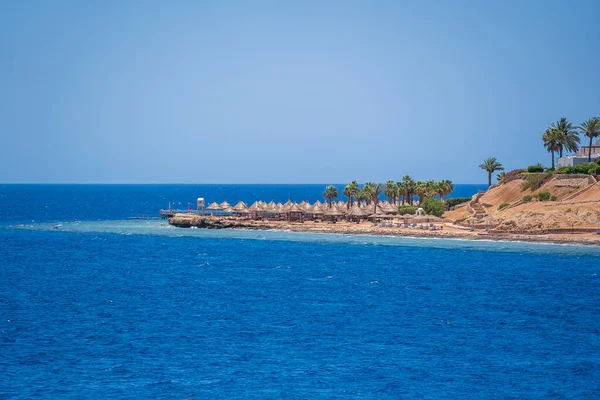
333, 212
355, 211
228, 210
214, 206
316, 209
256, 207
224, 205
295, 208
240, 206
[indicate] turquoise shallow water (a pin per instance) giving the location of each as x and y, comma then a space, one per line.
137, 309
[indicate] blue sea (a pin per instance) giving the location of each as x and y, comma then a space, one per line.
93, 306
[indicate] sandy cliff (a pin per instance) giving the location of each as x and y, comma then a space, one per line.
577, 205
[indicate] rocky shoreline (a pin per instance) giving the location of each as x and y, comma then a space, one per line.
189, 221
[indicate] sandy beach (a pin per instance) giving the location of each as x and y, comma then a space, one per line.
367, 228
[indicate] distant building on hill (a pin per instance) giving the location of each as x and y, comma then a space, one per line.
581, 156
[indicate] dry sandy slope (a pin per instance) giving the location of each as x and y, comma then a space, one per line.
579, 212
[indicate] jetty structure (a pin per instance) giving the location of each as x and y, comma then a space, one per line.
522, 203
295, 212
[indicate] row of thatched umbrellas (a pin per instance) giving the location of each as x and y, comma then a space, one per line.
336, 209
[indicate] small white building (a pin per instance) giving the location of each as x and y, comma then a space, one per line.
581, 156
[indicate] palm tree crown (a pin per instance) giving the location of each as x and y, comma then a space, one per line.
391, 191
330, 193
590, 129
568, 136
351, 191
491, 165
552, 141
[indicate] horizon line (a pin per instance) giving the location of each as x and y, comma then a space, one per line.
180, 183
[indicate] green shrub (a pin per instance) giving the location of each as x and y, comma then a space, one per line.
583, 168
407, 209
597, 161
535, 181
535, 168
433, 207
456, 201
594, 170
553, 198
527, 198
503, 205
543, 196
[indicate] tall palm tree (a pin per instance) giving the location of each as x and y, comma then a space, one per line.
401, 191
391, 191
351, 192
375, 191
569, 137
367, 191
491, 165
552, 138
591, 129
446, 187
330, 193
409, 187
420, 190
501, 178
431, 188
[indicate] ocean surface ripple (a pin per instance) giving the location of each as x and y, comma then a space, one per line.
136, 309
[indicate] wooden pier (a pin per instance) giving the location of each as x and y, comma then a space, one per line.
171, 212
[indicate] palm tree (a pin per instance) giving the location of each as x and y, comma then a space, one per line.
351, 192
569, 137
391, 191
501, 178
552, 138
409, 187
491, 165
366, 191
591, 129
374, 190
431, 188
445, 188
401, 191
420, 190
330, 193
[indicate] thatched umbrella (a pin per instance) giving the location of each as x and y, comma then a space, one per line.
280, 208
271, 208
426, 218
355, 212
407, 216
333, 212
228, 210
390, 209
306, 206
240, 206
380, 216
224, 205
214, 206
294, 212
317, 203
256, 207
316, 209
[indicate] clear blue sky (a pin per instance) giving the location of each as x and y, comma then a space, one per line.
306, 92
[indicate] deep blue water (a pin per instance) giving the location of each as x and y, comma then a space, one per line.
106, 308
100, 202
